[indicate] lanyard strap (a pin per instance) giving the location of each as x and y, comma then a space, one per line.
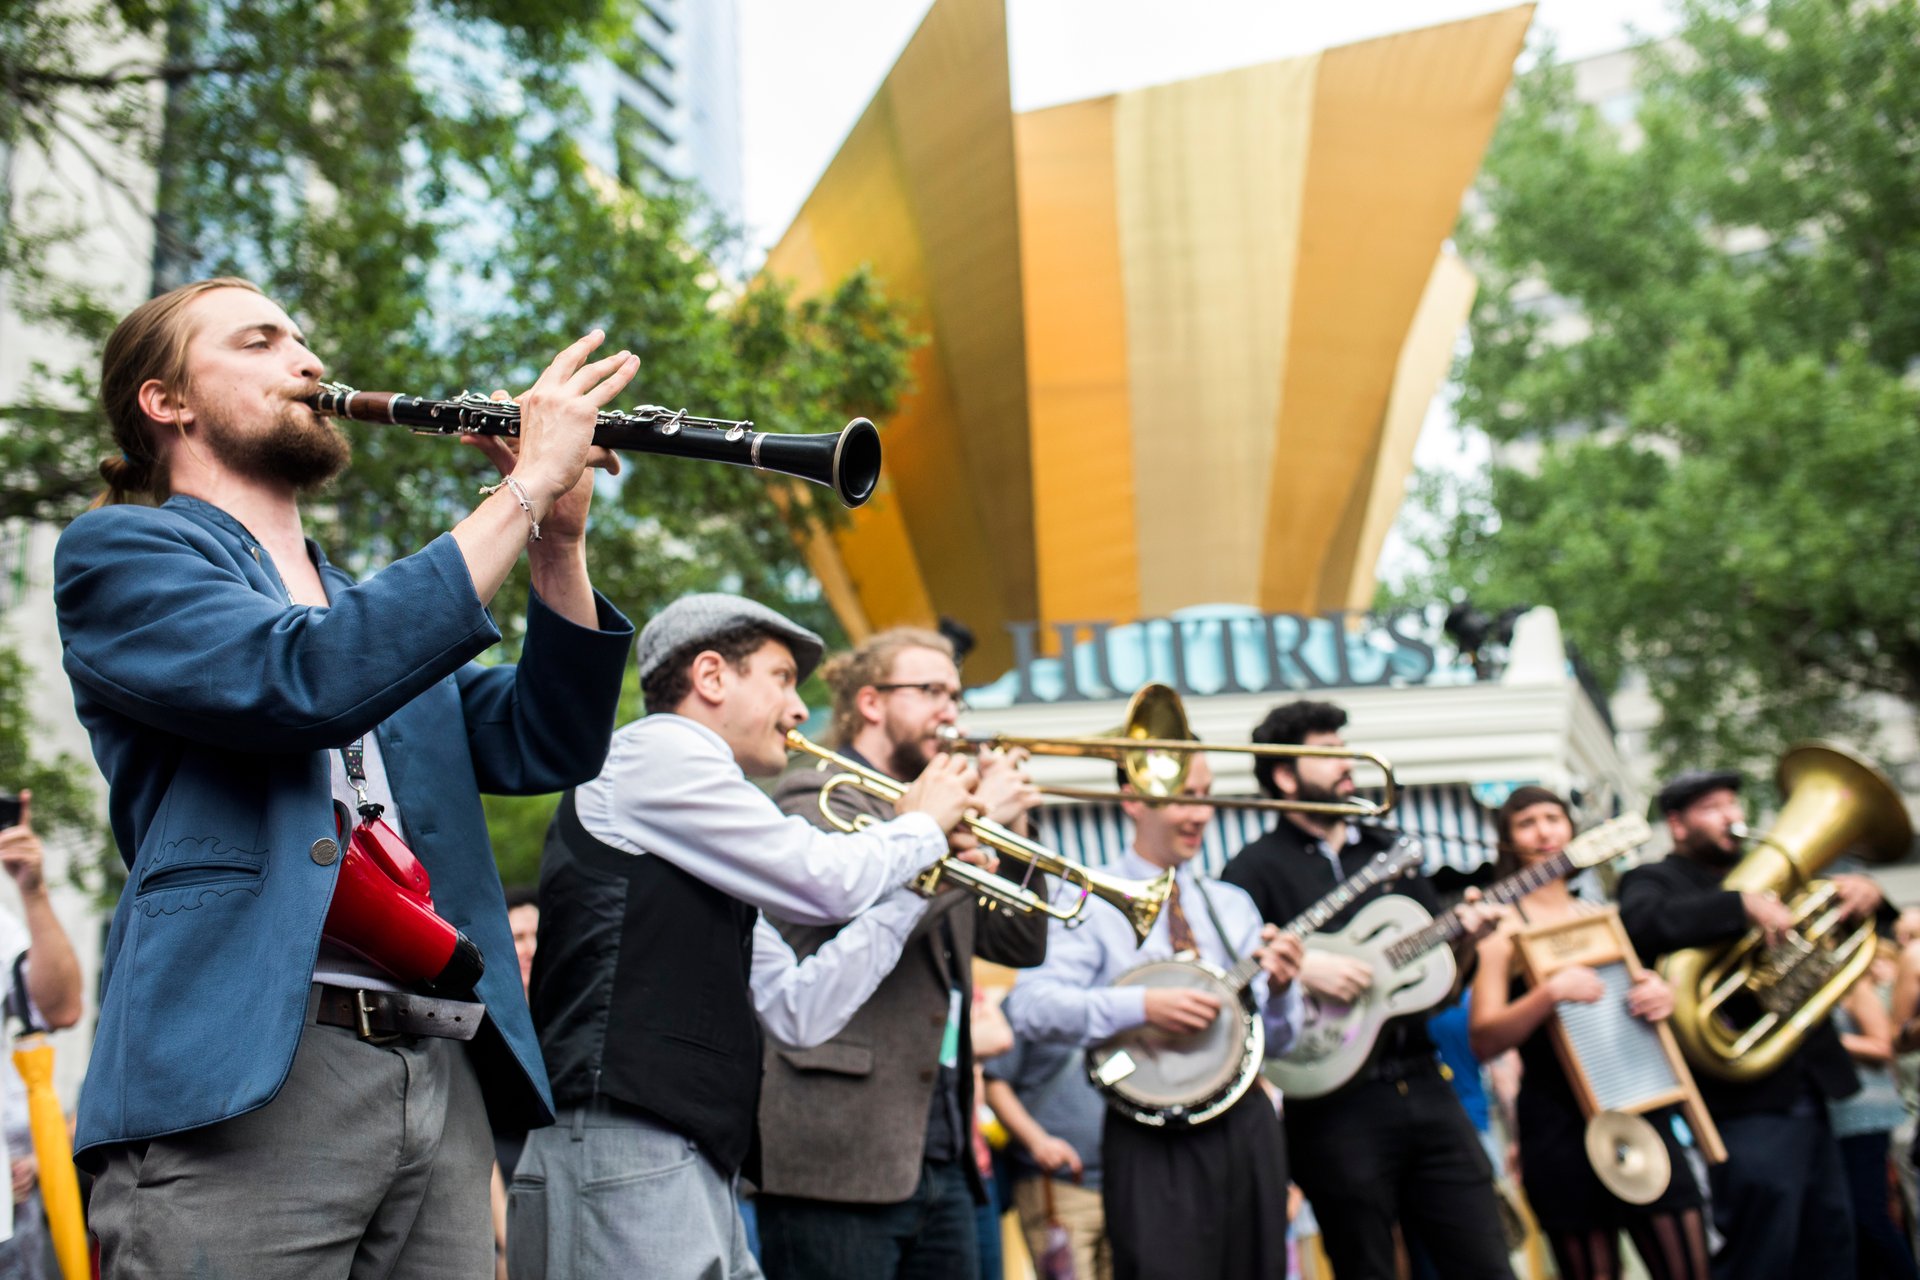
1214, 916
354, 756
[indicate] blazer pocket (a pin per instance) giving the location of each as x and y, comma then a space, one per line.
203, 863
834, 1056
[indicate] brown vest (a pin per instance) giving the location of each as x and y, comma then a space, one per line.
846, 1121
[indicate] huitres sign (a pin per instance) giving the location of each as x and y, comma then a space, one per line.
1217, 649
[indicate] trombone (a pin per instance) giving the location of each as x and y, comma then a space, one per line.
1140, 900
1153, 745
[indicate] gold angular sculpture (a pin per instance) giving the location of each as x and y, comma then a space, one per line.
1179, 340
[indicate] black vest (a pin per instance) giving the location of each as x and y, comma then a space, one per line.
640, 990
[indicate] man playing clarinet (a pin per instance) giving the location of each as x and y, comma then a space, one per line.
262, 1101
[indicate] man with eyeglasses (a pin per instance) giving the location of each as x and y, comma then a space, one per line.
866, 1158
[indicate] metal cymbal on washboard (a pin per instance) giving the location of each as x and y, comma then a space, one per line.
1628, 1155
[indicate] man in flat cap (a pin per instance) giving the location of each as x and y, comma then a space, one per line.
1780, 1201
647, 977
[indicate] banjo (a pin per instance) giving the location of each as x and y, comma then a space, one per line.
1412, 969
1163, 1078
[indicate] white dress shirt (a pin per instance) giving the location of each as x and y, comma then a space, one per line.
336, 962
1071, 999
671, 789
803, 1003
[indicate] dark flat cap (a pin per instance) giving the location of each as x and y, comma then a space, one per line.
1694, 783
691, 619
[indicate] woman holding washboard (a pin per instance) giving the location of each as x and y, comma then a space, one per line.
1580, 1217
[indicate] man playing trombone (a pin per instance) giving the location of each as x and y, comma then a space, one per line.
647, 975
866, 1158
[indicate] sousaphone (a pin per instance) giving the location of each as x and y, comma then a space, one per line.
1741, 1009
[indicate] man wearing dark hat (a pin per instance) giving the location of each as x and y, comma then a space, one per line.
651, 882
1780, 1200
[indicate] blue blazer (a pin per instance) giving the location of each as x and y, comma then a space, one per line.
213, 703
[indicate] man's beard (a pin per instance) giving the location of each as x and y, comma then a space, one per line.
1703, 848
302, 450
908, 760
1314, 793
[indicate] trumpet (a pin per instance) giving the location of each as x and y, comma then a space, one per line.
847, 462
1139, 900
1153, 746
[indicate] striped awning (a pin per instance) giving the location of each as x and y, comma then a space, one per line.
1455, 828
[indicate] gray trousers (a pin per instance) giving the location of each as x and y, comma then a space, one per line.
603, 1194
371, 1161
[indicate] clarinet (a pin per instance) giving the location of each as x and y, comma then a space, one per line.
847, 462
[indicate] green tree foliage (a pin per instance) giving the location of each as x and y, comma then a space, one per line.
418, 185
1698, 337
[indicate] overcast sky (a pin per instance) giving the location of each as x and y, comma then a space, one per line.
809, 67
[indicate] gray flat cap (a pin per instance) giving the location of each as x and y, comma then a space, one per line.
691, 619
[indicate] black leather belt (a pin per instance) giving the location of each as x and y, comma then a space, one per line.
385, 1015
1403, 1067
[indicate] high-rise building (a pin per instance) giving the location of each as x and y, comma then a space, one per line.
676, 108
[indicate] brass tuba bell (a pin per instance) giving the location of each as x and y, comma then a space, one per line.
1741, 1009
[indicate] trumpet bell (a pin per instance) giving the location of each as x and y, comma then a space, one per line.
1139, 900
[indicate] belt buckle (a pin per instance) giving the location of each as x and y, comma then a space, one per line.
363, 1020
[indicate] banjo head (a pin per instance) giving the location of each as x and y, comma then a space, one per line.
1156, 1076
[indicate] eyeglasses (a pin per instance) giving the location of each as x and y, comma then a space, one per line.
937, 694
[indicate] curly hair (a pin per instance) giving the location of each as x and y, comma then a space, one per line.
870, 663
1289, 724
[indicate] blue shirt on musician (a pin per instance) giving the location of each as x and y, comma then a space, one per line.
1071, 999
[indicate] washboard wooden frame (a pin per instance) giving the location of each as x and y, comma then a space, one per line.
1615, 1061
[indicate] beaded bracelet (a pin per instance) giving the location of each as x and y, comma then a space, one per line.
519, 492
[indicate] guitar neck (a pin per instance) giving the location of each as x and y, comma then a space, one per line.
1446, 927
1310, 920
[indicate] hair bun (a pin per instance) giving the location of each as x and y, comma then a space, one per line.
124, 476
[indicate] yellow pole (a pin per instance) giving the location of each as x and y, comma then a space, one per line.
59, 1184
